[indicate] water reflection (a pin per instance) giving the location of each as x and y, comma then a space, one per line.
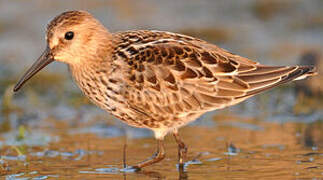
290, 150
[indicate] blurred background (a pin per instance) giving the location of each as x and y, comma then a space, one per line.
49, 124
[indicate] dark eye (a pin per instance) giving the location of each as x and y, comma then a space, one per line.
69, 35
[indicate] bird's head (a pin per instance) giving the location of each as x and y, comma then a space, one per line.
75, 38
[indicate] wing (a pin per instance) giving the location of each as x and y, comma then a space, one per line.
172, 75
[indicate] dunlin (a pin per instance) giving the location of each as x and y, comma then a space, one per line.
154, 79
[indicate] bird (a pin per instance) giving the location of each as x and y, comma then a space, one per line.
154, 79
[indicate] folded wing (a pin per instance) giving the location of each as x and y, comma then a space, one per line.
170, 74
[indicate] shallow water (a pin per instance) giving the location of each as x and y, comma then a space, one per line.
289, 150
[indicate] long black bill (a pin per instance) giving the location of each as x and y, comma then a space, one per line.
41, 62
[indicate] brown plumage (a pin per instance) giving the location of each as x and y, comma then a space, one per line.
153, 79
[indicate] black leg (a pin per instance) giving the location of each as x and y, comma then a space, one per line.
158, 156
182, 149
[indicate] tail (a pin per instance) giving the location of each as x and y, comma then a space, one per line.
307, 71
267, 77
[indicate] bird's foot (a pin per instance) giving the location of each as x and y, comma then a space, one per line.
130, 169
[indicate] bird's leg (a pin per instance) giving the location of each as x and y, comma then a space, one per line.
158, 156
182, 149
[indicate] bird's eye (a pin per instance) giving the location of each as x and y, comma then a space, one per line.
69, 35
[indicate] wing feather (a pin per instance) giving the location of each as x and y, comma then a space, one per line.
168, 74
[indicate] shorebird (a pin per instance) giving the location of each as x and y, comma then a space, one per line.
154, 79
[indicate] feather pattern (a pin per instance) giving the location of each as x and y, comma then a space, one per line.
170, 79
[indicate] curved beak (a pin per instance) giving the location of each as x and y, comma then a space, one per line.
41, 62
